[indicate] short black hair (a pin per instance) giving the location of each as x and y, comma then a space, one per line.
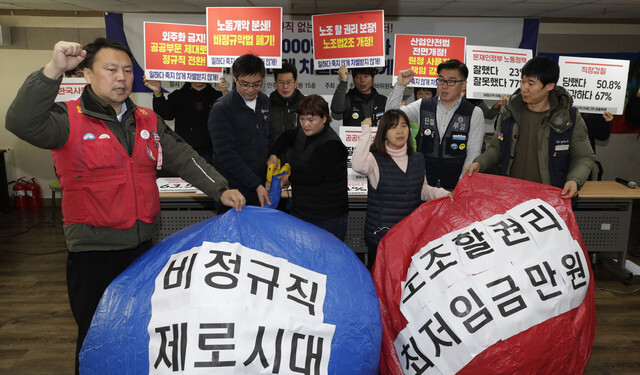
286, 68
432, 90
314, 105
366, 71
94, 47
247, 65
543, 68
454, 64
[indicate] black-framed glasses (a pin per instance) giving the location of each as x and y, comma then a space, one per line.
247, 86
449, 82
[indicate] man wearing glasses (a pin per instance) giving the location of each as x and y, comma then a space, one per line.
451, 128
285, 99
242, 132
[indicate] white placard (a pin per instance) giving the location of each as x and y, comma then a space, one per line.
487, 282
596, 85
229, 309
349, 136
175, 185
70, 89
494, 71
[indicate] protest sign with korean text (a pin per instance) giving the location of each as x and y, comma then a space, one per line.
177, 52
353, 39
233, 32
349, 135
423, 54
70, 89
494, 71
596, 85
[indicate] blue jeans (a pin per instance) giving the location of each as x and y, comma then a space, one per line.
334, 225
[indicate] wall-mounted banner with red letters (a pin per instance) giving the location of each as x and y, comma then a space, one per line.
596, 85
494, 71
423, 54
233, 32
353, 39
177, 52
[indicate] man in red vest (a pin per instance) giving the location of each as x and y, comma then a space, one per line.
106, 151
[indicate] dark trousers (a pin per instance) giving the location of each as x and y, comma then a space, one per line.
335, 225
89, 273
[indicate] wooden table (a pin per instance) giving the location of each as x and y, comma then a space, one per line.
603, 212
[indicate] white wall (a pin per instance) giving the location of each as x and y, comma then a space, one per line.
28, 160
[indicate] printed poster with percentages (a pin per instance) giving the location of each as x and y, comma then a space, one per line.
175, 185
596, 85
353, 39
233, 32
356, 182
177, 52
423, 54
494, 70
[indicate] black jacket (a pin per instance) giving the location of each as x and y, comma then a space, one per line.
241, 140
190, 108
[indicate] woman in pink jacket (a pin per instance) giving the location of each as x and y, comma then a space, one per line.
396, 175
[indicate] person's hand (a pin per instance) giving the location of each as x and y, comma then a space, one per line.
570, 190
503, 100
405, 77
263, 195
223, 85
273, 159
66, 56
284, 180
608, 116
450, 195
233, 198
366, 122
343, 73
155, 86
471, 168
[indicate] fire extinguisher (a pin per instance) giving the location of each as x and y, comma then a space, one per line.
19, 194
34, 195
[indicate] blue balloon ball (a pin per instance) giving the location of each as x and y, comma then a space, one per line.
118, 340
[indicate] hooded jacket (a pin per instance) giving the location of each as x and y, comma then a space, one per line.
581, 157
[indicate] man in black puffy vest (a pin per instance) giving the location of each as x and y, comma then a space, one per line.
451, 129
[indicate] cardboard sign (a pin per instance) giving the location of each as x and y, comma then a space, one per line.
494, 70
596, 85
177, 52
423, 54
233, 32
353, 39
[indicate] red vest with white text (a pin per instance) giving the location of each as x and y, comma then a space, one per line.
102, 185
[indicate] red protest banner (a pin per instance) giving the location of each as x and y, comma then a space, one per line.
177, 52
233, 32
423, 54
353, 39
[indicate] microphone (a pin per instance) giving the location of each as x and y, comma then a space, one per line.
627, 183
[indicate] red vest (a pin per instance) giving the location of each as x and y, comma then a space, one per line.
102, 185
